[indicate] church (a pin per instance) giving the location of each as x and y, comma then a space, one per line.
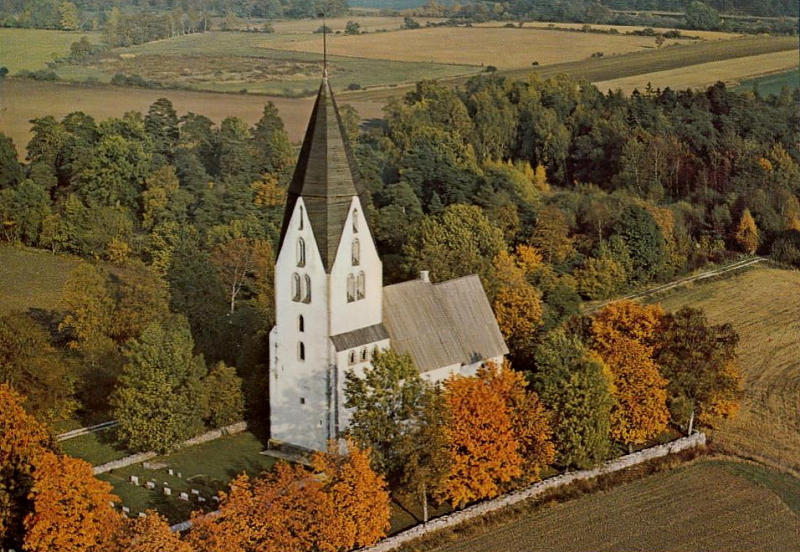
332, 310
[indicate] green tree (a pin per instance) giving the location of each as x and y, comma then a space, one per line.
386, 403
70, 21
89, 302
352, 28
225, 396
160, 399
696, 358
273, 149
639, 231
161, 124
115, 173
573, 385
702, 16
10, 168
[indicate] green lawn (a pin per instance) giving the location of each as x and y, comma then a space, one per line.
206, 468
32, 279
96, 448
31, 49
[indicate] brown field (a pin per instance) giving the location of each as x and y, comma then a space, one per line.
503, 48
763, 304
25, 100
730, 71
368, 23
622, 29
706, 506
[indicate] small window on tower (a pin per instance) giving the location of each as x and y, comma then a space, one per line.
301, 351
301, 252
301, 324
355, 221
302, 400
352, 357
296, 294
307, 298
356, 253
363, 354
301, 218
351, 288
362, 283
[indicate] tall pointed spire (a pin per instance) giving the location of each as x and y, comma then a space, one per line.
325, 177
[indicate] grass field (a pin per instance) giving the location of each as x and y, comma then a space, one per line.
501, 47
709, 505
32, 279
31, 49
96, 448
26, 100
368, 23
731, 71
206, 468
772, 84
763, 304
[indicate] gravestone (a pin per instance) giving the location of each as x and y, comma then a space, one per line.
167, 491
200, 499
195, 492
179, 475
134, 480
215, 498
150, 485
170, 471
126, 509
142, 514
185, 497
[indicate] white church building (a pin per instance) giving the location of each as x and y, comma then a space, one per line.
332, 311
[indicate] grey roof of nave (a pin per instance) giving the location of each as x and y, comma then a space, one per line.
442, 324
326, 177
359, 337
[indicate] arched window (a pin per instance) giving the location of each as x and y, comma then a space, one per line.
362, 283
296, 287
301, 218
352, 357
301, 252
355, 221
356, 252
351, 288
307, 298
363, 354
301, 351
301, 323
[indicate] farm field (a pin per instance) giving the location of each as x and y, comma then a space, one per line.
368, 23
709, 505
25, 100
32, 279
772, 84
501, 47
731, 71
31, 49
763, 304
705, 35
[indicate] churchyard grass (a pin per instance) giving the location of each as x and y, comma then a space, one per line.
707, 505
96, 448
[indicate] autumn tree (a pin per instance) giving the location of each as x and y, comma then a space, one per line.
517, 304
71, 509
151, 533
160, 399
386, 402
551, 235
482, 445
90, 308
626, 319
698, 359
225, 396
23, 441
746, 233
234, 262
357, 510
574, 385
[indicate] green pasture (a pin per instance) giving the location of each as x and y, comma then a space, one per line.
32, 49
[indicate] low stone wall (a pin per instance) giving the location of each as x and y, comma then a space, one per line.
456, 518
144, 456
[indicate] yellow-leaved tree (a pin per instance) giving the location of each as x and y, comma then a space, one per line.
746, 233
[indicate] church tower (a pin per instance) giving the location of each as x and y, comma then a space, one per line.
328, 286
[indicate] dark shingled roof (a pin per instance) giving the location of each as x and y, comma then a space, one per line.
442, 324
326, 177
359, 337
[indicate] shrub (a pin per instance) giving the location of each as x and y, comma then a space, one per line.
354, 86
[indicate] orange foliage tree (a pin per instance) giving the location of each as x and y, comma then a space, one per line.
626, 319
517, 304
23, 440
72, 509
150, 534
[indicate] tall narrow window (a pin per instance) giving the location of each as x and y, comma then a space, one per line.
362, 283
363, 354
296, 294
351, 288
301, 323
352, 357
356, 253
355, 221
301, 252
301, 351
307, 298
301, 218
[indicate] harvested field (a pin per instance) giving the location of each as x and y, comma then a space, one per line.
710, 506
31, 49
26, 100
32, 279
501, 47
730, 71
368, 23
763, 304
621, 29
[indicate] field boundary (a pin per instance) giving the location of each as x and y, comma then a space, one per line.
144, 456
86, 430
461, 516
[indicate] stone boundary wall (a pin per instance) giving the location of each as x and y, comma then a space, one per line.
144, 456
456, 518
